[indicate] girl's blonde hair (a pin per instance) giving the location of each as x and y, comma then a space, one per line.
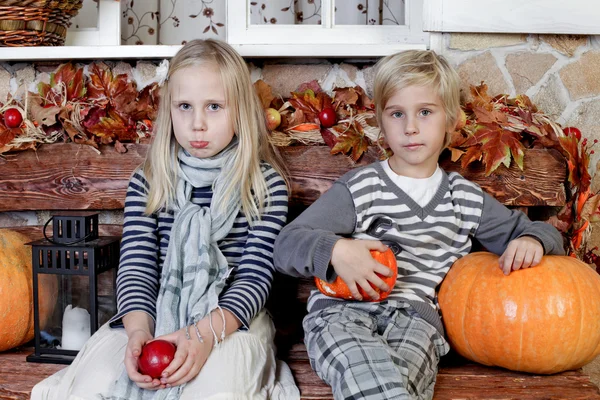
418, 68
248, 120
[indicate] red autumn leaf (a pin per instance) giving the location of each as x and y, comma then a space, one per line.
8, 134
115, 127
121, 93
312, 85
578, 162
72, 78
526, 116
328, 137
146, 106
94, 116
351, 142
497, 146
310, 104
264, 92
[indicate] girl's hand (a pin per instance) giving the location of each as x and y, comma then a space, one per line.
352, 261
189, 357
523, 252
137, 339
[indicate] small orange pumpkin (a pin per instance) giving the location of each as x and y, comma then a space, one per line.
16, 291
544, 319
339, 289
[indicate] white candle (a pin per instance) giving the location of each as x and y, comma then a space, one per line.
75, 328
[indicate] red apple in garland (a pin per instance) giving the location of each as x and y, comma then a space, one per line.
155, 357
327, 117
12, 118
572, 131
273, 118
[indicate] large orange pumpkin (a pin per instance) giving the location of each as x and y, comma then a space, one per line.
339, 289
16, 291
544, 319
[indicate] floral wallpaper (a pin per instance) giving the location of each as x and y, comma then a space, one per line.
177, 21
347, 12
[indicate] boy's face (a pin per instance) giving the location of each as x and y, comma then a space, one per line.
414, 122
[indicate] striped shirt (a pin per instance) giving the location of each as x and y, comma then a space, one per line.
247, 248
366, 204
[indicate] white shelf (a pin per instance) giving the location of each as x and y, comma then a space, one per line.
58, 53
51, 53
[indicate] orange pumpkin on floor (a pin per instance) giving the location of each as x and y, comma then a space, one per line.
339, 289
543, 319
16, 291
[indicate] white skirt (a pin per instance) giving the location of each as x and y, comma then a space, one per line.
243, 367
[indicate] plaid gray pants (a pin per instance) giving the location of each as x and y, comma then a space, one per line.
375, 351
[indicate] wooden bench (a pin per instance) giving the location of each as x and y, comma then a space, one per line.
74, 177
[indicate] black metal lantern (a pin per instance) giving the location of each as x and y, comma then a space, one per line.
78, 268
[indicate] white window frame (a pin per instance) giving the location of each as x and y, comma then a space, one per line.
513, 16
107, 31
325, 40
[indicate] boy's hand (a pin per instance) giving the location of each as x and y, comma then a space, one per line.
351, 259
137, 339
523, 252
189, 357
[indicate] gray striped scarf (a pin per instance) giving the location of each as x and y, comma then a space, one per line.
195, 270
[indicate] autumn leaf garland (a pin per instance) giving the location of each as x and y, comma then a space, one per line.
94, 108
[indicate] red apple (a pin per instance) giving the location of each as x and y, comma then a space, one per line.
12, 118
327, 117
572, 131
273, 118
155, 357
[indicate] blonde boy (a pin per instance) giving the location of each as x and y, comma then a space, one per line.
390, 349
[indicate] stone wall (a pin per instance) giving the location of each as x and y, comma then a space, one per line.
559, 73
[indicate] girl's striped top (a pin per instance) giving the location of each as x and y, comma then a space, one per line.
248, 249
366, 204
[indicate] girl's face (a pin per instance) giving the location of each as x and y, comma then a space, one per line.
414, 122
200, 116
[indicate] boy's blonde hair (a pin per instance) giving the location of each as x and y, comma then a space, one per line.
418, 68
248, 120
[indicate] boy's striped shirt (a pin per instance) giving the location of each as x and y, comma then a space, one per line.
431, 238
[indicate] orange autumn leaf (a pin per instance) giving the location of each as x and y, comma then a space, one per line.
347, 95
264, 92
304, 127
351, 142
481, 97
473, 153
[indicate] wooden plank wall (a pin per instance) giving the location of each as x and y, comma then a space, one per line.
76, 177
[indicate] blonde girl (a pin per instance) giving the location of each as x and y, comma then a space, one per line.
201, 217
